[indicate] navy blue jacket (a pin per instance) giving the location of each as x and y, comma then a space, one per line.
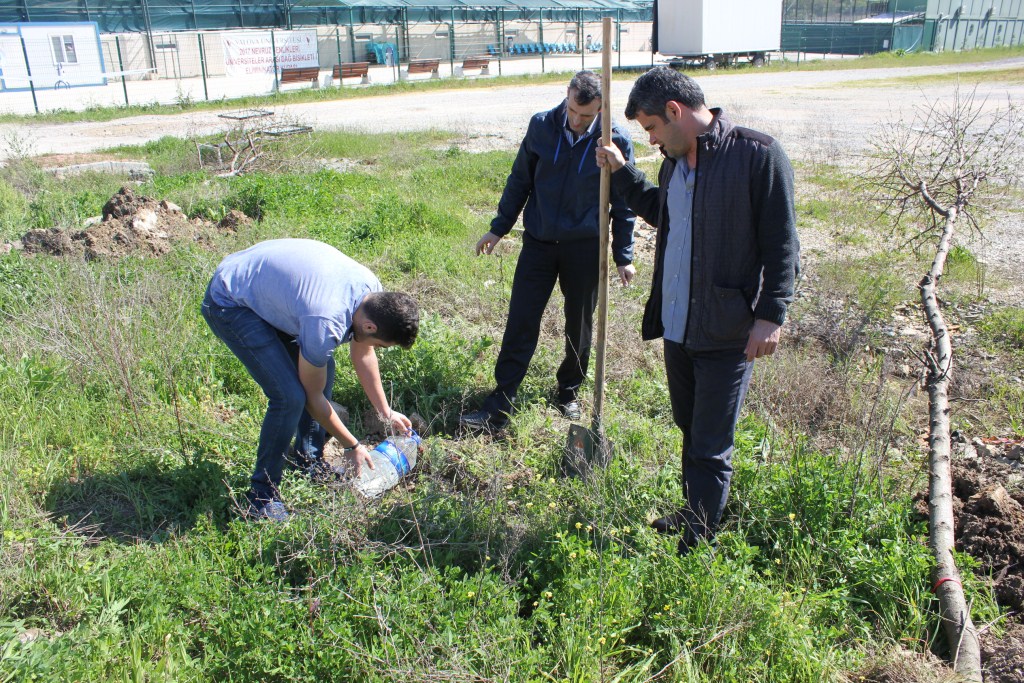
559, 185
746, 254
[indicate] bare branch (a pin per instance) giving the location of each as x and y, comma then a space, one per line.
932, 204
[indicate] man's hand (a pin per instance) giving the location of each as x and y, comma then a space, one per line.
357, 457
487, 243
763, 340
399, 422
626, 274
611, 156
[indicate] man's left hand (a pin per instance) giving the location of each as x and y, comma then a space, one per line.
763, 340
626, 274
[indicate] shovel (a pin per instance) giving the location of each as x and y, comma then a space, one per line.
589, 448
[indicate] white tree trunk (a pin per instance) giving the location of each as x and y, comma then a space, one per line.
962, 636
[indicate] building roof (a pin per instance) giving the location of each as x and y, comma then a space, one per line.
481, 4
888, 18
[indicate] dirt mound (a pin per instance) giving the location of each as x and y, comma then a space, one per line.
233, 220
1004, 657
130, 224
990, 525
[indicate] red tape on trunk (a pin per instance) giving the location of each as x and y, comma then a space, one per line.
935, 588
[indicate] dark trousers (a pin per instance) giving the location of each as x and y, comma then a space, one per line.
707, 391
271, 357
574, 265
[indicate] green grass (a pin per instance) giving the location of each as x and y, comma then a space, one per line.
967, 78
129, 430
883, 60
328, 94
1005, 328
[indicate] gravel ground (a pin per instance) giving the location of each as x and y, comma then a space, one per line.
818, 115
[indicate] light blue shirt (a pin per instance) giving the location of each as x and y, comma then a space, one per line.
571, 136
304, 288
675, 281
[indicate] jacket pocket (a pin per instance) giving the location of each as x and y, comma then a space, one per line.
729, 317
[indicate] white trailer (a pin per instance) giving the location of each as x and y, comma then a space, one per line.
718, 32
44, 55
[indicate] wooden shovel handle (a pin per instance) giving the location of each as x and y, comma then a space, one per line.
600, 333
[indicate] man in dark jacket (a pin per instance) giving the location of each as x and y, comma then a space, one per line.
726, 261
556, 179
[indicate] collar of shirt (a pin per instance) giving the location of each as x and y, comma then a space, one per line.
685, 174
572, 137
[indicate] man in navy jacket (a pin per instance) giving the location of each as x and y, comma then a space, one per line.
555, 184
726, 260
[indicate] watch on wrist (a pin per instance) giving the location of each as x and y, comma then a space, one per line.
354, 446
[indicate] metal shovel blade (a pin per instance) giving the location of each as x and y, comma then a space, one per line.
585, 450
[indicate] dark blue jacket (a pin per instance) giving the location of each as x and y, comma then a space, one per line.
746, 254
559, 186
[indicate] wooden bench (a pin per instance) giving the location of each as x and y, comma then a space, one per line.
301, 74
471, 63
351, 70
423, 66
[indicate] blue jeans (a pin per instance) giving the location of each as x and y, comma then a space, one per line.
271, 357
707, 391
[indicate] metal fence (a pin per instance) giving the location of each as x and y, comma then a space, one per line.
132, 16
53, 67
841, 11
835, 38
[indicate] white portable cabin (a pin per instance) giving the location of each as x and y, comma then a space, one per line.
704, 28
59, 55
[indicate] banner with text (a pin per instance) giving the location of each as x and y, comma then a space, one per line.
252, 52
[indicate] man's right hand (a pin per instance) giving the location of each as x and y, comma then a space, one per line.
487, 243
612, 156
357, 458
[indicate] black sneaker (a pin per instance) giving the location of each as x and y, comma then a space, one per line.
571, 410
482, 421
669, 524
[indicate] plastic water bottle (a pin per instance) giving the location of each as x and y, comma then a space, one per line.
392, 459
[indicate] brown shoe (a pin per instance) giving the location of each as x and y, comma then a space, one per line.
669, 524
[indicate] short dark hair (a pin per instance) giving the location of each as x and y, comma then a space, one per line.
655, 89
396, 315
587, 86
